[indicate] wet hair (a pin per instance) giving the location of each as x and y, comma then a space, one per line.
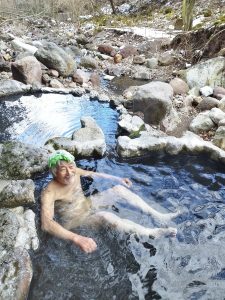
53, 170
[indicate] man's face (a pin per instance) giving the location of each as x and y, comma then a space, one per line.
65, 173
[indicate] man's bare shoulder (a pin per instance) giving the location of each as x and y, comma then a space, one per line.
48, 192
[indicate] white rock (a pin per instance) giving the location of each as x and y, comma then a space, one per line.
206, 91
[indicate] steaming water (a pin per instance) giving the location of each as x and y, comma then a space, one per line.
191, 266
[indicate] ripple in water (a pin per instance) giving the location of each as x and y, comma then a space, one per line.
126, 266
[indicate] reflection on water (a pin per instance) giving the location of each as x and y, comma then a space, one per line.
191, 266
35, 120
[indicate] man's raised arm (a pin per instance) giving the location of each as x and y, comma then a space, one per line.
48, 224
120, 180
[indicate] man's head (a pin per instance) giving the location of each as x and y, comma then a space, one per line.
62, 166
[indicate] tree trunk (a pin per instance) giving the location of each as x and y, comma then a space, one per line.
187, 13
113, 6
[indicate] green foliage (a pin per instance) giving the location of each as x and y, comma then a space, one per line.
137, 133
220, 20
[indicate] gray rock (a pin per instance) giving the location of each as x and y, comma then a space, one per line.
141, 73
19, 44
55, 83
206, 91
208, 103
87, 141
219, 92
147, 143
166, 59
151, 63
219, 137
131, 123
216, 115
153, 99
21, 161
17, 193
202, 122
27, 70
222, 104
15, 274
210, 72
13, 87
139, 59
56, 58
88, 62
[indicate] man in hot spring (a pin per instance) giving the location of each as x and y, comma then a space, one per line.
64, 196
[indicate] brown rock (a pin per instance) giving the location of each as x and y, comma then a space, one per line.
218, 92
56, 84
81, 77
128, 50
139, 59
45, 78
78, 78
106, 49
27, 70
179, 86
95, 79
208, 103
53, 73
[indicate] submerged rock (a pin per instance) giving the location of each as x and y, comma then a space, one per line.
21, 161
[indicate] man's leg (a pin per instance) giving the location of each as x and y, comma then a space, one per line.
119, 192
128, 226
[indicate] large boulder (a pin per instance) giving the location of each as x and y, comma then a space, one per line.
56, 58
88, 141
21, 161
17, 193
210, 72
148, 143
13, 87
153, 99
27, 70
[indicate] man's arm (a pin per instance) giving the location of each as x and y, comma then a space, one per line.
48, 224
124, 181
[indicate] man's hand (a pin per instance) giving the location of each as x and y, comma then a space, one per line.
86, 244
126, 182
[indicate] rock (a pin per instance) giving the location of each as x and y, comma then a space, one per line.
90, 138
15, 274
166, 59
55, 83
195, 91
128, 50
118, 70
21, 161
53, 73
219, 137
179, 86
208, 103
5, 66
88, 141
19, 44
9, 225
81, 77
103, 98
95, 79
139, 59
209, 72
178, 25
141, 73
17, 193
222, 104
206, 91
13, 87
151, 63
154, 99
202, 122
118, 58
108, 77
27, 70
221, 123
216, 115
219, 92
107, 49
221, 52
148, 143
46, 78
130, 124
88, 62
56, 58
82, 39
